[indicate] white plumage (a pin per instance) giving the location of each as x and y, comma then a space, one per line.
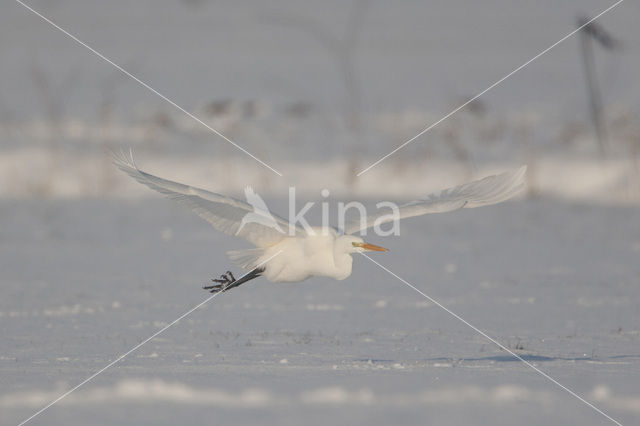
484, 192
223, 213
282, 257
260, 212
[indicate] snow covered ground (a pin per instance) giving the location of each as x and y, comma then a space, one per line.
85, 280
272, 78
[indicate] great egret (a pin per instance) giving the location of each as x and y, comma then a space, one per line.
282, 257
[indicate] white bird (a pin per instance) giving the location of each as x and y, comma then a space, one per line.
260, 213
282, 257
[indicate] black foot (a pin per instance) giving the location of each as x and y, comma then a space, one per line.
224, 282
228, 281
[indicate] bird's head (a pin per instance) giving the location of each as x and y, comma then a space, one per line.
353, 244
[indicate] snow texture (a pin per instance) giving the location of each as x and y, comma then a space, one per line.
85, 280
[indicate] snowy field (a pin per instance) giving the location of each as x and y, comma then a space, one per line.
283, 81
85, 280
93, 263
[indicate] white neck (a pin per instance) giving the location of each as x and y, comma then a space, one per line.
344, 263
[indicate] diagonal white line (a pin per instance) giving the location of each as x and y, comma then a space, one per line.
127, 73
476, 329
112, 363
490, 87
121, 357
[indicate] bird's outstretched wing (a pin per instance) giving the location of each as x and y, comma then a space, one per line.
255, 200
224, 213
490, 190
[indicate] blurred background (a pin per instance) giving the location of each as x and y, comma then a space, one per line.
94, 263
319, 91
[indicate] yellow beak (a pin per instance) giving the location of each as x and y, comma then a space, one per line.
368, 246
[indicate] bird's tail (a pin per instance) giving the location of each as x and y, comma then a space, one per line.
247, 258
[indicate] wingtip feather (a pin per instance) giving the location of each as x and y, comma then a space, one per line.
125, 161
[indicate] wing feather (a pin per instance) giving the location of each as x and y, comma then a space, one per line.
484, 192
223, 213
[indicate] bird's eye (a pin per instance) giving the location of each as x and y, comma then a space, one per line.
355, 244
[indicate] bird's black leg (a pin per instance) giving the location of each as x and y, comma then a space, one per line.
223, 282
228, 281
247, 277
